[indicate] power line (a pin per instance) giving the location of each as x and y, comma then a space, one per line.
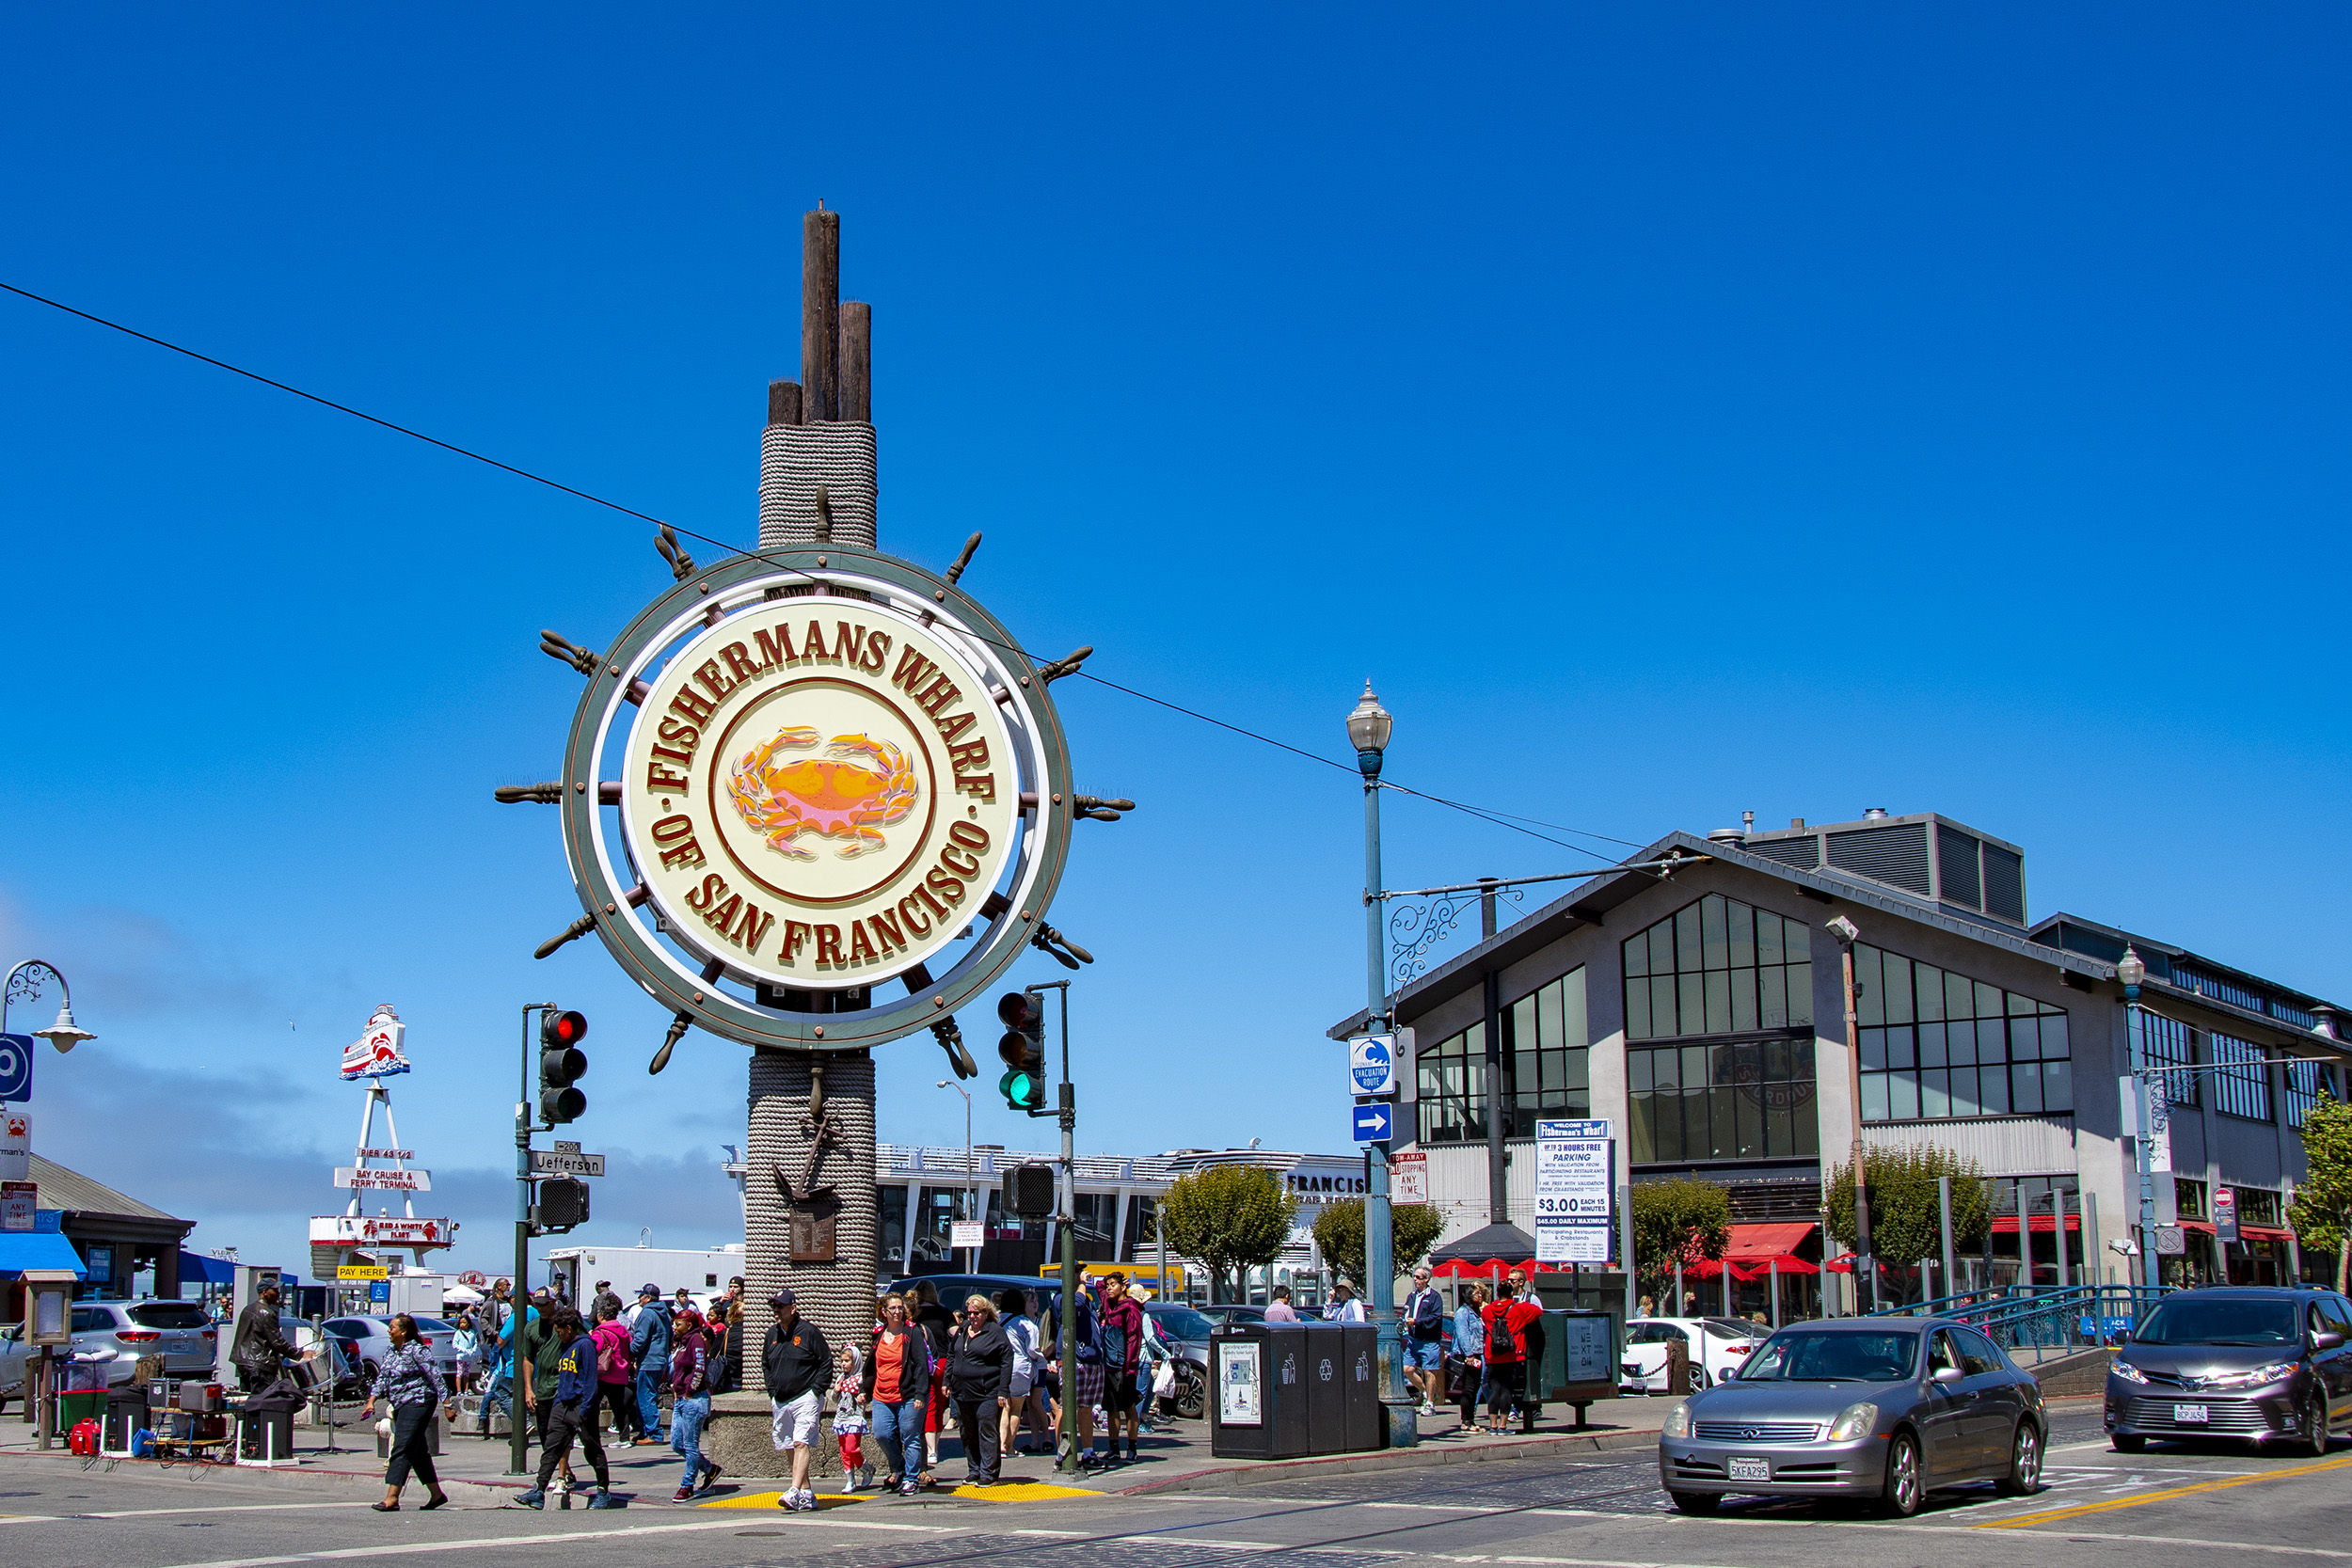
1500, 820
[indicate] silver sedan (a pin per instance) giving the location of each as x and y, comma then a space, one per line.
1884, 1408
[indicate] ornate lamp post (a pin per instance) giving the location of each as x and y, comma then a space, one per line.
971, 1194
24, 985
2132, 970
1368, 729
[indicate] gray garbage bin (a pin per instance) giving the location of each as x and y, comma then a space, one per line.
1258, 1401
1365, 1426
1326, 1387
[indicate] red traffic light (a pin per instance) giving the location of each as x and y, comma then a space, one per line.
565, 1029
1015, 1008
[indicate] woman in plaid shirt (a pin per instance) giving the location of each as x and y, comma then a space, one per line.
412, 1383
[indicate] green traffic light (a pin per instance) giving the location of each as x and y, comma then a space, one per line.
1021, 1091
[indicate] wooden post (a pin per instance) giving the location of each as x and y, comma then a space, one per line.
821, 316
857, 354
783, 403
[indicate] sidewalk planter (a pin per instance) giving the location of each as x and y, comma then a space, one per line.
1258, 1398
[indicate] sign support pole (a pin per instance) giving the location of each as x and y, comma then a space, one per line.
1403, 1429
518, 1442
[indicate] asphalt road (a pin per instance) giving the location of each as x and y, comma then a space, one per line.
2170, 1505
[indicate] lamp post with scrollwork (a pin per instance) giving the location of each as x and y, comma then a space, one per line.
24, 985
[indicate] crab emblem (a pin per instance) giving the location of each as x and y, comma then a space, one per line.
782, 796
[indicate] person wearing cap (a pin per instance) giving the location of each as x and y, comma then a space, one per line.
259, 1347
796, 1365
649, 1351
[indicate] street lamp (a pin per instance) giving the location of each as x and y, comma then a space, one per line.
2132, 970
1864, 1268
1368, 728
24, 985
971, 1195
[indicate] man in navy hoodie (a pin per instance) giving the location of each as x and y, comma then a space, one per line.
572, 1417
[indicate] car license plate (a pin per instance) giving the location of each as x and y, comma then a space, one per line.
2191, 1415
1751, 1469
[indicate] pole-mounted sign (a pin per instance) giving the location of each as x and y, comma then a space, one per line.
1371, 1064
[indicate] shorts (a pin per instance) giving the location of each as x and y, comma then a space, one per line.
1118, 1393
1019, 1385
1425, 1354
1086, 1385
792, 1423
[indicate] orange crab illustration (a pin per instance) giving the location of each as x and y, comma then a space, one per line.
832, 796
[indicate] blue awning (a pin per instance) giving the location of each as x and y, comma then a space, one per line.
195, 1268
38, 1249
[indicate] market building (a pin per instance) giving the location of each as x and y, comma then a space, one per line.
123, 1247
1700, 1010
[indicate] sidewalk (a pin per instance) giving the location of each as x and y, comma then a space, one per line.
474, 1471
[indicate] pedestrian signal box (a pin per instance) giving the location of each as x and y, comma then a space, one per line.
1030, 1191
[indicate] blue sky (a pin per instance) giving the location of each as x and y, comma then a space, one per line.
1673, 412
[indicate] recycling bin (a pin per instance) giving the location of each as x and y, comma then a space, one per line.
1326, 1387
1258, 1401
1365, 1426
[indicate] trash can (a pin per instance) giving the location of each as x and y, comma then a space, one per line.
1326, 1387
1257, 1395
1365, 1426
73, 1409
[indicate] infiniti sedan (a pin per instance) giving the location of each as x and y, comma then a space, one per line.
1884, 1408
2267, 1366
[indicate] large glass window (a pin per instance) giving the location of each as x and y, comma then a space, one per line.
1143, 1229
1717, 967
1097, 1219
1937, 1045
2303, 1087
2168, 1042
892, 1199
1546, 1044
1743, 1099
2241, 1084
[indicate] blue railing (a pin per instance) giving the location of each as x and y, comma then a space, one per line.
2044, 1322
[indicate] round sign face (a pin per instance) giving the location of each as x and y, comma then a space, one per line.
818, 793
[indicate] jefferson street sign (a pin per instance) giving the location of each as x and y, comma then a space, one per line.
565, 1163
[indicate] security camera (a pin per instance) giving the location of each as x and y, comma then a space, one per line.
2125, 1245
1844, 929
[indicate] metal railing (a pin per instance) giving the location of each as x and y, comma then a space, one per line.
2044, 1322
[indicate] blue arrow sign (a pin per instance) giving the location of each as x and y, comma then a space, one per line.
1375, 1122
16, 1067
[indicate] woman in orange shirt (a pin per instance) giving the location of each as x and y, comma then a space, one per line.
897, 1381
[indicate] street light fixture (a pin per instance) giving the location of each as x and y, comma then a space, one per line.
24, 985
1369, 727
2132, 970
1865, 1272
971, 1194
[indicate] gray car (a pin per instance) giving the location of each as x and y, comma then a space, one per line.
2266, 1366
117, 1334
1884, 1408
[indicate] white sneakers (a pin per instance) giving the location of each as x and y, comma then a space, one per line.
797, 1502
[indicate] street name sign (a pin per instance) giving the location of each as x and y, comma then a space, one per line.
1376, 1123
1574, 1163
562, 1161
1371, 1064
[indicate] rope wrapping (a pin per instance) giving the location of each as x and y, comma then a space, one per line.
795, 459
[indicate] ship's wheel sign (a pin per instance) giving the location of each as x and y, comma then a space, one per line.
815, 798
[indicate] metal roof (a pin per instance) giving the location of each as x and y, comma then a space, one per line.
71, 1190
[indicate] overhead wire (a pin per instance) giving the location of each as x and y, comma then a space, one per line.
1496, 818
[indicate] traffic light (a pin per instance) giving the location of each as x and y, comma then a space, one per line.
560, 1061
1022, 1049
563, 1203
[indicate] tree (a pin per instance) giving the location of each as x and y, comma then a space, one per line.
2322, 1210
1682, 1219
1230, 1217
1906, 1223
1414, 1229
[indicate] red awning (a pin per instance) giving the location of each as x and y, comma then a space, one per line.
2043, 1225
2263, 1233
1753, 1243
1493, 1267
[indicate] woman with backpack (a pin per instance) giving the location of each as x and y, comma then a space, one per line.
692, 1369
616, 1383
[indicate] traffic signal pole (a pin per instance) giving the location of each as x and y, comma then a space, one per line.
518, 1454
1066, 1220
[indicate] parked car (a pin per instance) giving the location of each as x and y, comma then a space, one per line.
1887, 1409
1185, 1333
371, 1340
1714, 1344
1222, 1313
119, 1333
2270, 1366
953, 1288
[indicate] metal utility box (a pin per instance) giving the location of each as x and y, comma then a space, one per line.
1258, 1393
1581, 1361
1361, 1374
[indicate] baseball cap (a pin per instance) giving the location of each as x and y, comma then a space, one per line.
648, 1288
782, 1299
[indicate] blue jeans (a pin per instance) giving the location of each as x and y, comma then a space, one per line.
687, 1415
893, 1425
649, 1400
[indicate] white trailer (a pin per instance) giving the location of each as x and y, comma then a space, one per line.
704, 1273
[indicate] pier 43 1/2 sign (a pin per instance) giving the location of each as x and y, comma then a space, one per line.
820, 792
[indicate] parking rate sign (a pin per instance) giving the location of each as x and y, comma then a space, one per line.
1574, 1161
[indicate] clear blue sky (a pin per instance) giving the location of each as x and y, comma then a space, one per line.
1673, 412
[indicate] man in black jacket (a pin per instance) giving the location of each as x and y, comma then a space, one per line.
797, 1364
259, 1345
979, 1380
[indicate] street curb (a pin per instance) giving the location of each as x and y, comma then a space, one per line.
197, 1472
1421, 1456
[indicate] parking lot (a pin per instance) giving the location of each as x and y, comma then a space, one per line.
2169, 1505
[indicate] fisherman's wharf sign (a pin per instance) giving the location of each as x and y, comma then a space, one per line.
820, 792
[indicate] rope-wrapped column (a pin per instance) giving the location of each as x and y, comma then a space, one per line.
795, 460
838, 1297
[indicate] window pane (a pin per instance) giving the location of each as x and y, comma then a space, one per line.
1637, 1071
1964, 1103
1903, 1096
1547, 1017
1575, 1032
1870, 999
1662, 1005
1929, 995
1797, 941
2058, 1085
1637, 956
1900, 1049
1694, 1064
1522, 1034
1874, 1048
1637, 1023
1808, 1132
2025, 1082
1714, 944
2054, 1035
1669, 1114
1988, 999
2019, 1006
1523, 1075
1555, 1070
1577, 1064
1644, 1130
1743, 999
1661, 948
1750, 1113
1718, 1002
1896, 971
1687, 946
1993, 1082
1935, 1094
1743, 936
1959, 998
2024, 1039
1780, 1139
1932, 1045
1776, 1061
1773, 1009
1767, 938
1691, 989
1800, 989
1991, 1041
1724, 1134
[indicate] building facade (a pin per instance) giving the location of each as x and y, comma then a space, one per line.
1701, 1012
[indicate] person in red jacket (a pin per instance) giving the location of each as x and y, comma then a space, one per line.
1504, 1357
1526, 1318
1118, 1330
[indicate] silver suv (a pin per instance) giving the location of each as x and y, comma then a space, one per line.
120, 1332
